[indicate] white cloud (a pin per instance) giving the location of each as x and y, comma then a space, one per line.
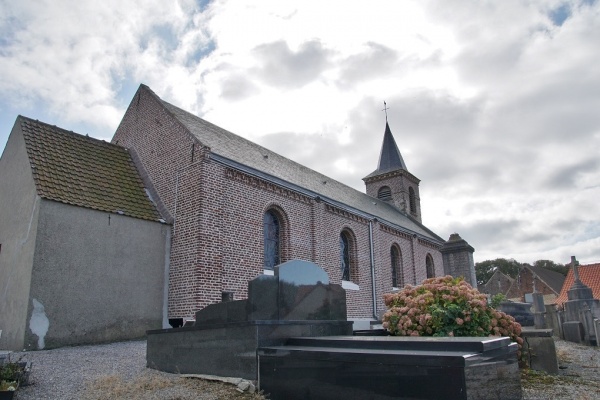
493, 104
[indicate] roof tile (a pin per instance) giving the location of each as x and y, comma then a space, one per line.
258, 158
86, 172
589, 275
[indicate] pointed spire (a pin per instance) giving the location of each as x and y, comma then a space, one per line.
389, 158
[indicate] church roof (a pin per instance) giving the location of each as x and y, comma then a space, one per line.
589, 275
243, 154
390, 158
82, 171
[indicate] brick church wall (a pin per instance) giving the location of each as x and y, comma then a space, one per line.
217, 238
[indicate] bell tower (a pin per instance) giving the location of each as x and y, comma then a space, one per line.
391, 182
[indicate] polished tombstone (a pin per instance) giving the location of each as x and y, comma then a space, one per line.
521, 312
297, 300
390, 367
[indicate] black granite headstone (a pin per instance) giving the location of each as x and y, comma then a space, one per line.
297, 300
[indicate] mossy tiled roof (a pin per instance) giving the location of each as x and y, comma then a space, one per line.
86, 172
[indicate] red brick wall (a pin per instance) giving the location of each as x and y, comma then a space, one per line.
217, 242
524, 284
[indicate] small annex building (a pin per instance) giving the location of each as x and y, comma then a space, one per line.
218, 210
82, 247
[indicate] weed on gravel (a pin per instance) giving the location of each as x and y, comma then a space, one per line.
154, 386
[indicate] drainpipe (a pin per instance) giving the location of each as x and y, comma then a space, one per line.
371, 251
414, 261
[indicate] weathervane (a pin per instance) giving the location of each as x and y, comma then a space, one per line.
385, 108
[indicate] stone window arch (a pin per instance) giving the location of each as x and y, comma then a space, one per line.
348, 266
384, 193
396, 265
429, 266
274, 224
412, 200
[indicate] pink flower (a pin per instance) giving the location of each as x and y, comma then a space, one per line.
459, 321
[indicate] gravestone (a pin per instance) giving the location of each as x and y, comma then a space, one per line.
386, 367
521, 312
292, 336
578, 326
297, 300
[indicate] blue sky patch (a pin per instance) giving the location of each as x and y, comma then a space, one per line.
561, 14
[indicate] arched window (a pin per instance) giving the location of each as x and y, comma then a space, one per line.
272, 239
384, 193
396, 261
412, 200
348, 256
345, 255
429, 266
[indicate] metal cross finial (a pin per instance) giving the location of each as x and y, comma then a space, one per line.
385, 108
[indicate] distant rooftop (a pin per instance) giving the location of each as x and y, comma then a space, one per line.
589, 275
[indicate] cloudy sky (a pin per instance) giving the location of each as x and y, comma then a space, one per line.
495, 105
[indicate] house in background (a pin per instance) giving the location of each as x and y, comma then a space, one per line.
589, 276
529, 279
82, 247
498, 283
536, 279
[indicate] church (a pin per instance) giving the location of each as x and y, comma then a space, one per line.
218, 209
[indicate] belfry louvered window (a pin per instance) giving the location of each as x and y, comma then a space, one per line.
412, 200
384, 193
271, 239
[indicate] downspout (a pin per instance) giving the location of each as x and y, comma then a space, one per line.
371, 251
414, 261
165, 322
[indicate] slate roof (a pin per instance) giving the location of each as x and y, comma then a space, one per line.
589, 275
263, 162
551, 278
86, 172
390, 158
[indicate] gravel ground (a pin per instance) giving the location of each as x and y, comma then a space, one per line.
578, 376
118, 370
111, 371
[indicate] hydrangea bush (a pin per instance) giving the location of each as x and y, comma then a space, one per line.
446, 306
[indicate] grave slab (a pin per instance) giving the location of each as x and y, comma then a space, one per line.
390, 368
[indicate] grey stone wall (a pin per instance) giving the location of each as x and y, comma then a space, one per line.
457, 256
96, 277
19, 206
